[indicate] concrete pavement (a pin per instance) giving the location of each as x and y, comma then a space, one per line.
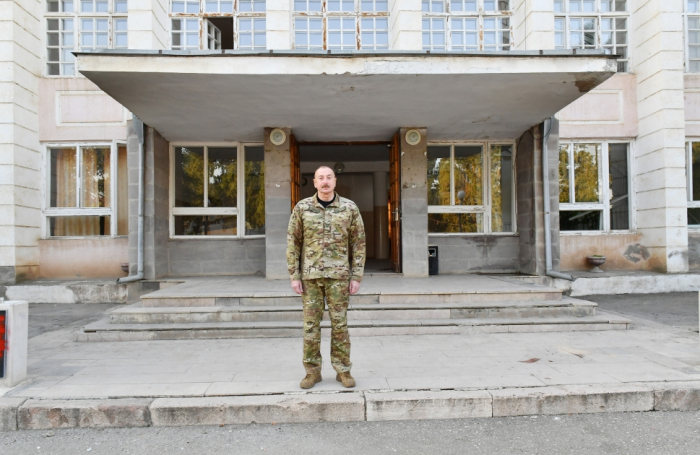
651, 367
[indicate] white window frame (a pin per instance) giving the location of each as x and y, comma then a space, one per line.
485, 208
480, 14
54, 212
687, 14
357, 14
202, 15
238, 211
689, 179
603, 189
77, 15
598, 15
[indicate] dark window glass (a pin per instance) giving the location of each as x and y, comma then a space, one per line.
695, 169
79, 226
189, 177
455, 223
439, 175
619, 187
583, 220
254, 191
223, 177
206, 225
693, 217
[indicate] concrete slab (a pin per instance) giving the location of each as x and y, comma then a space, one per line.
8, 413
424, 405
346, 407
48, 414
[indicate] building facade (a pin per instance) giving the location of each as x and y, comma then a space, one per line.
432, 111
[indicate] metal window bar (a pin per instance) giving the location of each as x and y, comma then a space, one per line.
374, 33
252, 33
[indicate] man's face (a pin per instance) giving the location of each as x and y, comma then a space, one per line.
324, 180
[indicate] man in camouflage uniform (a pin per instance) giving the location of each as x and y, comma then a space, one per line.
325, 233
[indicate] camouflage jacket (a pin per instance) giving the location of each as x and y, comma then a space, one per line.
322, 242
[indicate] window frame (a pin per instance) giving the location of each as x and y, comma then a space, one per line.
604, 189
687, 14
357, 14
599, 15
202, 16
53, 212
77, 15
480, 14
238, 211
485, 208
692, 204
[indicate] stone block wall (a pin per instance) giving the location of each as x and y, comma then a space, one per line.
414, 205
278, 204
469, 254
156, 209
694, 251
200, 257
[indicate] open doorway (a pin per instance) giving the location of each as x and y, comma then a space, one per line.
363, 173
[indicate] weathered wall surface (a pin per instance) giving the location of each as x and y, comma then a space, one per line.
528, 170
196, 257
278, 205
74, 109
694, 251
68, 258
622, 251
481, 253
414, 206
156, 210
607, 112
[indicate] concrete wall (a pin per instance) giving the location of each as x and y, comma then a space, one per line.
405, 25
622, 251
20, 151
414, 205
528, 169
533, 24
278, 205
67, 258
278, 20
694, 251
477, 253
148, 24
197, 257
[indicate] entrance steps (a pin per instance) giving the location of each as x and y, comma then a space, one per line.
384, 307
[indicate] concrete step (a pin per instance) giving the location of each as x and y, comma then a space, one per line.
104, 330
137, 314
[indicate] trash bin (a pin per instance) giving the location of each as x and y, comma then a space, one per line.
433, 268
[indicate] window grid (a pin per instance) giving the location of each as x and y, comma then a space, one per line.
692, 36
73, 25
593, 24
614, 205
185, 13
341, 24
118, 203
693, 182
485, 209
239, 211
464, 21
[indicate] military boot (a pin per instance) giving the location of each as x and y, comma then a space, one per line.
310, 380
346, 379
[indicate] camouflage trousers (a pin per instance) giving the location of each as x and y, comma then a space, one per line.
336, 293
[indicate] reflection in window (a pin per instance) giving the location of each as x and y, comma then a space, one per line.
564, 189
64, 177
502, 188
95, 188
254, 191
588, 220
206, 225
619, 187
223, 177
439, 175
189, 177
446, 223
586, 159
79, 226
468, 189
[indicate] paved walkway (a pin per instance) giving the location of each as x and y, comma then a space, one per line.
650, 352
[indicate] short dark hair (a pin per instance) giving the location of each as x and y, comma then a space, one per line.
321, 167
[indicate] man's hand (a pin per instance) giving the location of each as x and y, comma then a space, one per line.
354, 287
297, 287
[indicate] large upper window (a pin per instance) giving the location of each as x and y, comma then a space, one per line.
73, 25
593, 24
594, 187
341, 24
218, 24
692, 36
465, 25
693, 172
470, 188
218, 191
87, 190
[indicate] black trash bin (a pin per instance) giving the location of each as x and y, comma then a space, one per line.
433, 268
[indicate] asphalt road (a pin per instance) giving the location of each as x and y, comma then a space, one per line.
633, 433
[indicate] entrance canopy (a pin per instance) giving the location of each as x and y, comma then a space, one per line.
344, 96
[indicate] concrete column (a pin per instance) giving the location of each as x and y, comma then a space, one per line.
533, 24
156, 225
553, 169
381, 216
529, 197
414, 205
405, 25
278, 202
20, 151
148, 24
659, 164
278, 20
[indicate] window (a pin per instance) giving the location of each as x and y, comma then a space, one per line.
593, 24
693, 174
338, 21
465, 25
218, 191
692, 36
470, 188
589, 201
87, 190
73, 25
221, 24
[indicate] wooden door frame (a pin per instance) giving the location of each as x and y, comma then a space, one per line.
395, 203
